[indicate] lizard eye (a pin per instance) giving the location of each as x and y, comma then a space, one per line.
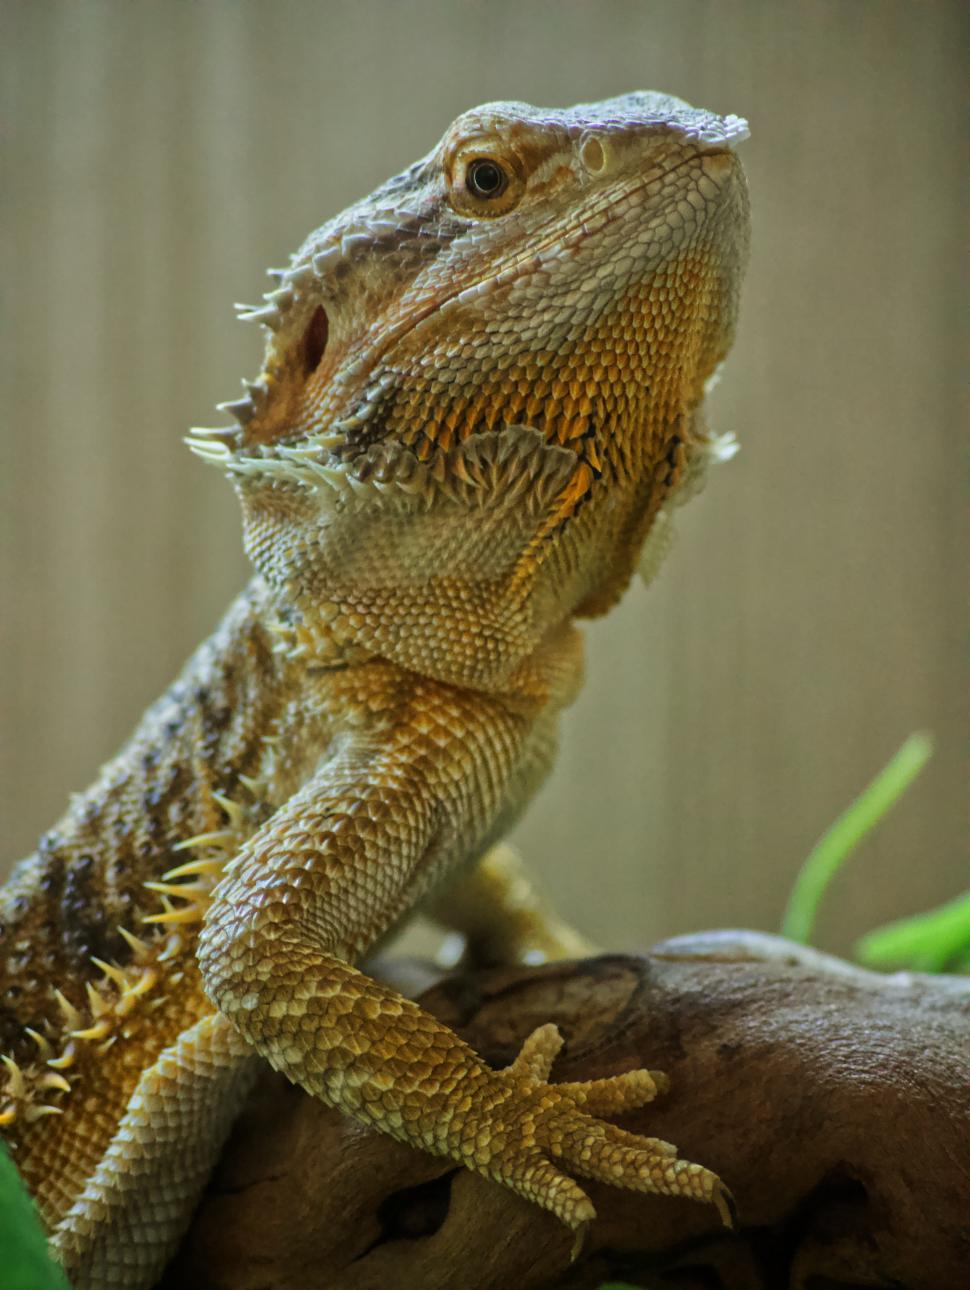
485, 178
481, 185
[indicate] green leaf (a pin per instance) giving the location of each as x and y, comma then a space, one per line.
840, 840
26, 1265
936, 941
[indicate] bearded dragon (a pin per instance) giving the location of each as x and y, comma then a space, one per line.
481, 397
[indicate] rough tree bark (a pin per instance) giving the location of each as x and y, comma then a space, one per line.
833, 1101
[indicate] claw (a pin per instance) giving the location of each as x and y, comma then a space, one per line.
579, 1236
726, 1206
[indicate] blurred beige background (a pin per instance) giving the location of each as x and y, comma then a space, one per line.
157, 156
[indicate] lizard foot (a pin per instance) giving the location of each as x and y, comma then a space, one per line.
542, 1126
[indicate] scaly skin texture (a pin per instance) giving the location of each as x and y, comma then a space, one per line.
481, 396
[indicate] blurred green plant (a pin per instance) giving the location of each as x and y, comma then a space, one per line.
26, 1265
842, 837
936, 941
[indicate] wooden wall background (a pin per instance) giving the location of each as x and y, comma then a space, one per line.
157, 155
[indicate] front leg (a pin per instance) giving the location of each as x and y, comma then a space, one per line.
427, 781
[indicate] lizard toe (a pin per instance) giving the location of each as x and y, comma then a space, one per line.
617, 1093
540, 1181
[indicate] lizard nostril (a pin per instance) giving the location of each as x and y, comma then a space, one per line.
315, 340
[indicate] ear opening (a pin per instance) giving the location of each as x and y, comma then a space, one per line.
315, 340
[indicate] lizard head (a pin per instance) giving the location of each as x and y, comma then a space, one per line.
483, 383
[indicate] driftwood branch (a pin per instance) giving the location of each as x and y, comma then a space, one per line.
833, 1101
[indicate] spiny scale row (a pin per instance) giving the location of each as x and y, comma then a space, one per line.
241, 410
112, 998
515, 457
290, 281
27, 1086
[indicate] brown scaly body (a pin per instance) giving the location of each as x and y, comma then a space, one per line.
481, 396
